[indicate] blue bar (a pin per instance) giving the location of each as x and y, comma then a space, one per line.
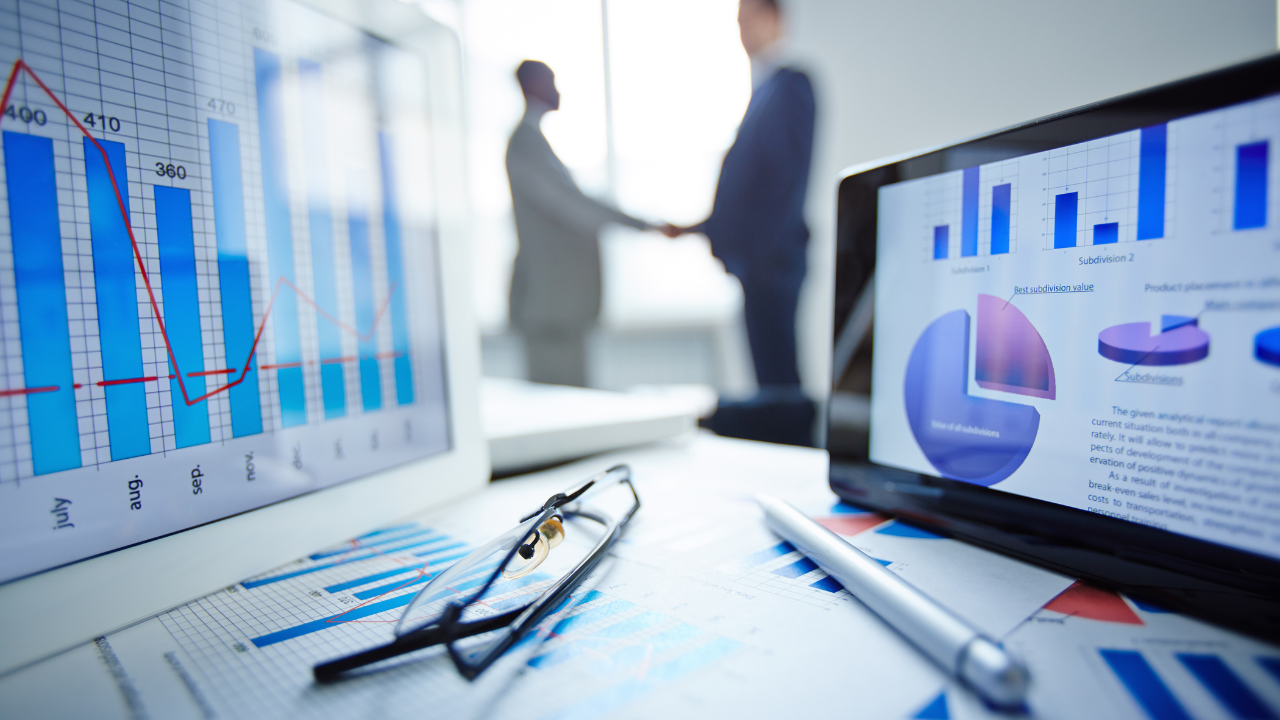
372, 578
1251, 185
763, 556
1242, 702
366, 545
1064, 220
275, 207
181, 313
796, 569
440, 567
1145, 686
384, 531
653, 645
829, 584
362, 286
233, 277
1106, 233
443, 548
326, 566
586, 617
941, 239
333, 387
42, 302
117, 291
395, 276
307, 628
1001, 211
935, 710
395, 585
969, 214
1153, 156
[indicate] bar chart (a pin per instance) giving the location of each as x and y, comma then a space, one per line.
207, 265
116, 261
1111, 190
973, 212
598, 651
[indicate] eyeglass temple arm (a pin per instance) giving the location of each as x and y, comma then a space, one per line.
426, 637
548, 603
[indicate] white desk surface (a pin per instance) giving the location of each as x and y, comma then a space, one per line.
694, 617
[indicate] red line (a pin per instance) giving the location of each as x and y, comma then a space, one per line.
77, 386
334, 361
20, 65
28, 391
281, 366
106, 383
228, 371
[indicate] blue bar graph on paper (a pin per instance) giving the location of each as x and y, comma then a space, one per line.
1251, 185
1106, 233
1064, 220
969, 214
828, 584
42, 302
760, 557
941, 240
1001, 211
365, 580
275, 208
117, 292
796, 569
1144, 685
395, 276
333, 388
362, 287
332, 621
374, 543
235, 291
181, 314
1225, 685
1153, 156
386, 531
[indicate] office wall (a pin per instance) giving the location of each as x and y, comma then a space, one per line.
893, 76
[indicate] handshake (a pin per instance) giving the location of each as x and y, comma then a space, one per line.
672, 231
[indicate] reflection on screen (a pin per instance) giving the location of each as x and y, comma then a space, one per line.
217, 274
1096, 326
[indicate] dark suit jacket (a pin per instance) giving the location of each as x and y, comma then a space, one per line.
757, 224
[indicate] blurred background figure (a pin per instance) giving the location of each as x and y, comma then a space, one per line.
757, 229
555, 284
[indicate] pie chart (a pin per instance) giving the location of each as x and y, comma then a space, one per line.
972, 439
1179, 342
1266, 346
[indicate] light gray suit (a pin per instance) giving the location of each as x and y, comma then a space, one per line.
555, 286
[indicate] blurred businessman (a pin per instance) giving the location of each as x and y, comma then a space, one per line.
555, 287
757, 227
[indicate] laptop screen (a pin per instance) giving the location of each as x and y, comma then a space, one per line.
1095, 325
217, 270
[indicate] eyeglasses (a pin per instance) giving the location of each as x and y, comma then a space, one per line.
520, 551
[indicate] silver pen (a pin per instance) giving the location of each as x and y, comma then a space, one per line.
961, 649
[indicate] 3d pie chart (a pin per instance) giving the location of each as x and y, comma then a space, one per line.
1266, 346
972, 439
1179, 342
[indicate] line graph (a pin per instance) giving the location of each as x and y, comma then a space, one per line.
21, 66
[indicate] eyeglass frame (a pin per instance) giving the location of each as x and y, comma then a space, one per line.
447, 628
